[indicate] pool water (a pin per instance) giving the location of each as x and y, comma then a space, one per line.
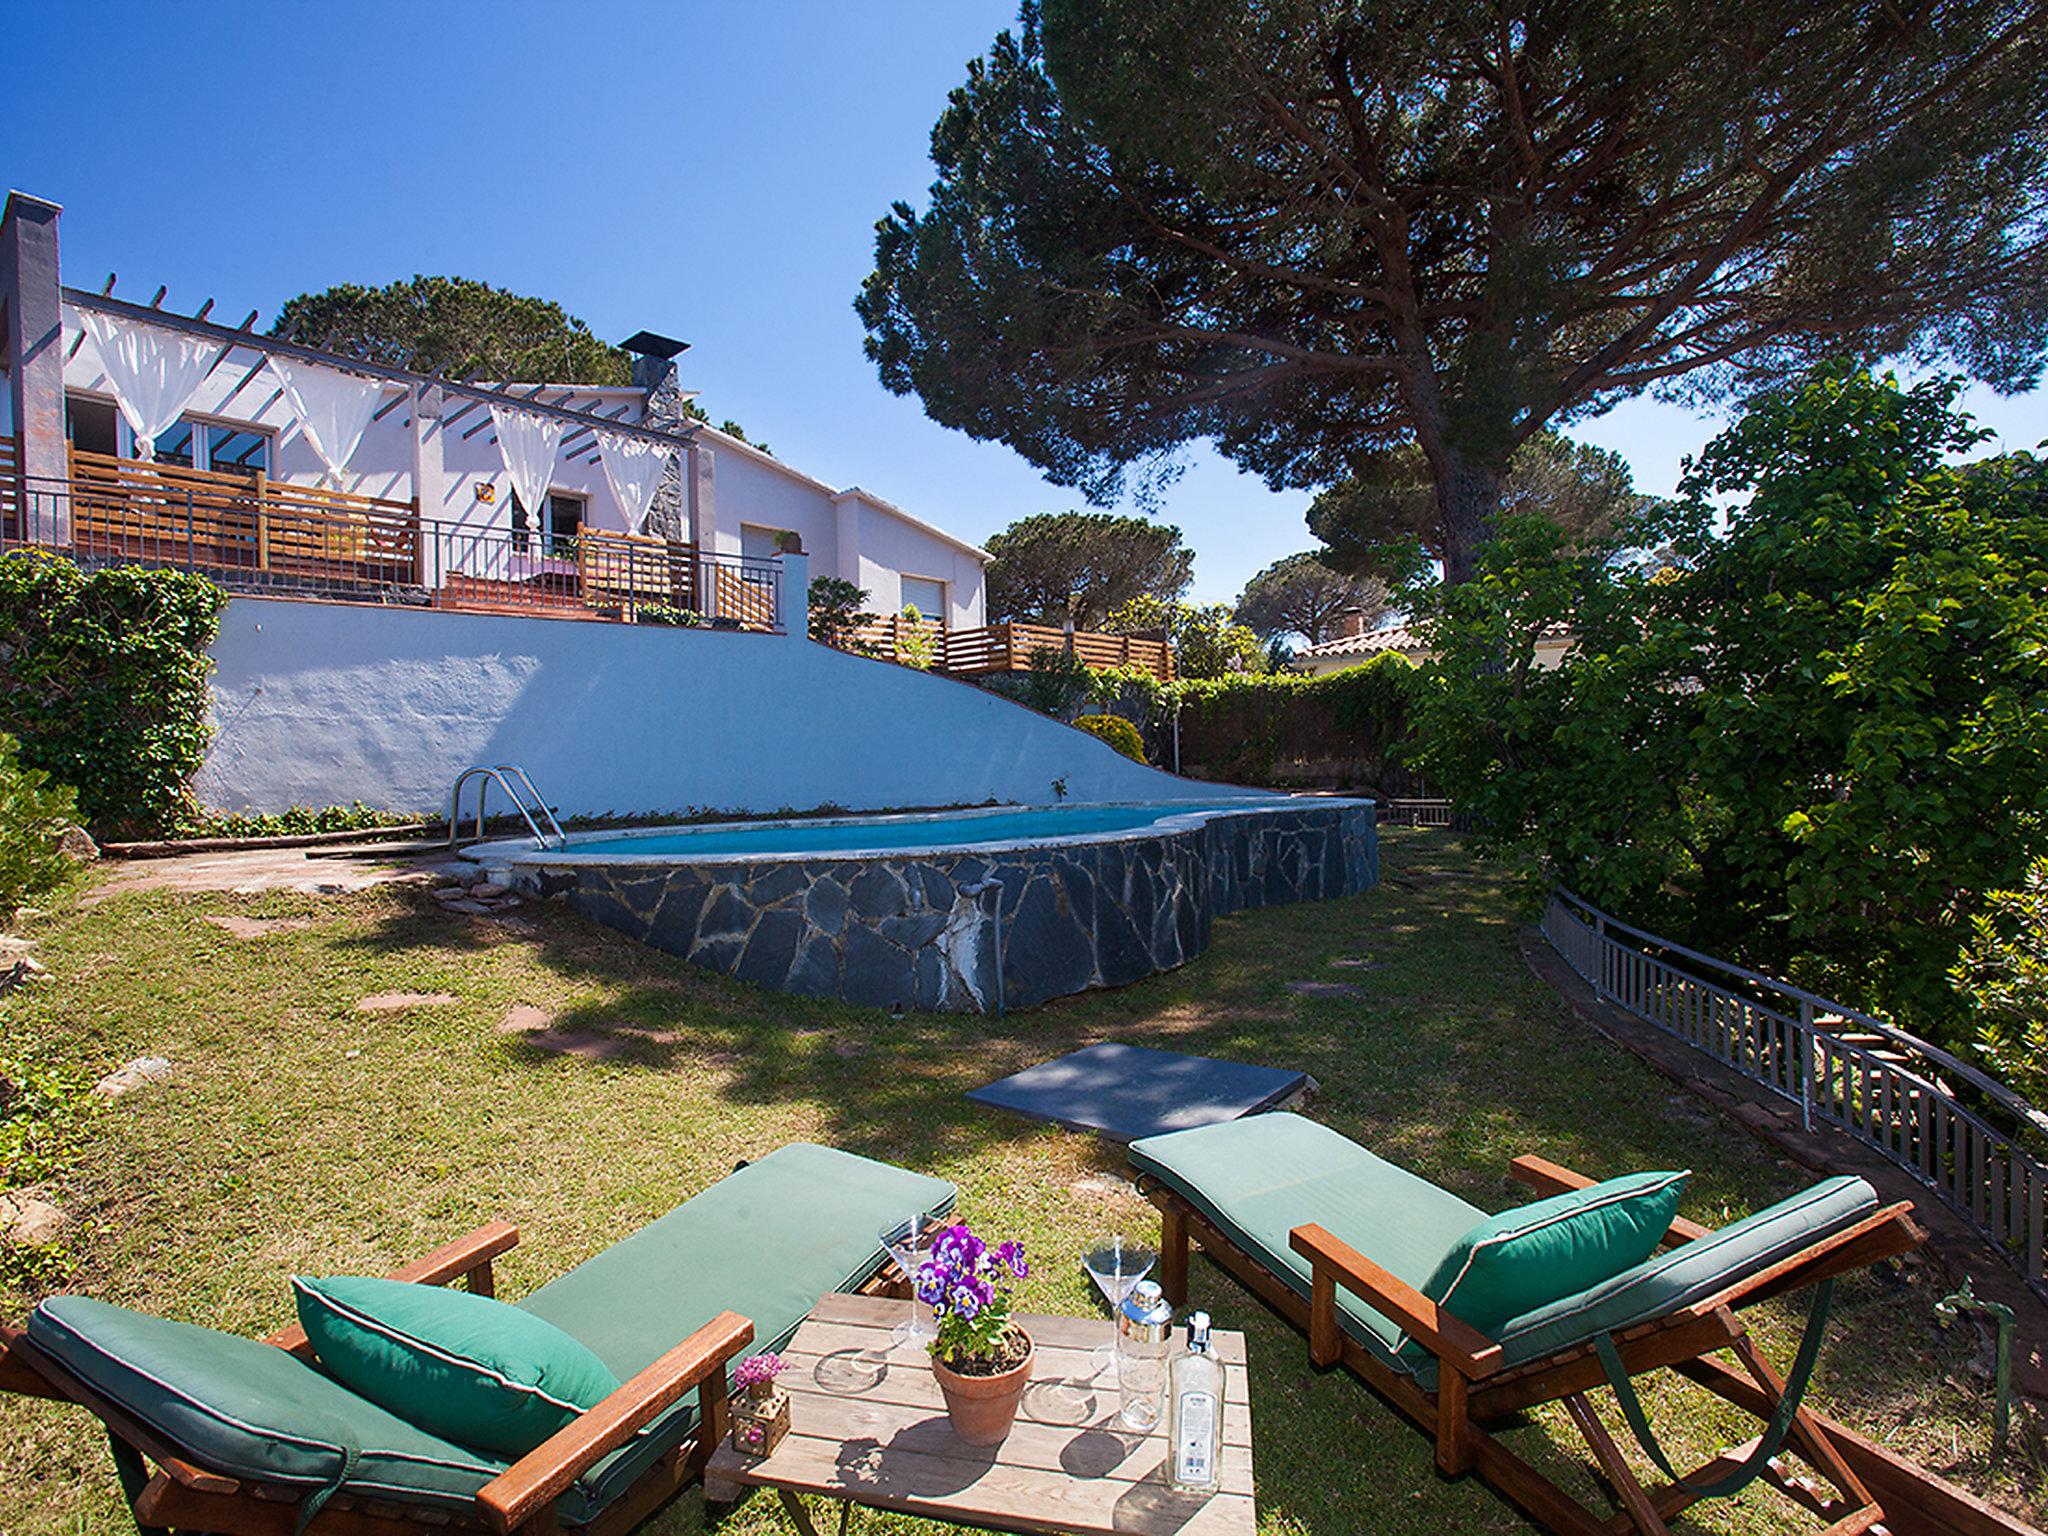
940, 830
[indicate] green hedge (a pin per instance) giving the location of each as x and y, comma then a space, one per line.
103, 679
1285, 727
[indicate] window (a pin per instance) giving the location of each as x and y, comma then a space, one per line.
177, 444
90, 424
233, 450
558, 538
927, 596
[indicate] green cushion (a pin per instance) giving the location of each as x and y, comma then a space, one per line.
1535, 1254
765, 1241
465, 1367
1690, 1272
1260, 1177
247, 1409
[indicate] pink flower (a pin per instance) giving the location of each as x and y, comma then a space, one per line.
759, 1370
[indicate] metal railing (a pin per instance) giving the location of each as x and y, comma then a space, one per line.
511, 778
255, 535
1417, 813
1958, 1131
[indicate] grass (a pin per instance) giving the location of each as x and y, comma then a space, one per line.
300, 1134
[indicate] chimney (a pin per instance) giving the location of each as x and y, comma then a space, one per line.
1350, 624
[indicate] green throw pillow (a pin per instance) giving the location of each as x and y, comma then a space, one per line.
463, 1367
1535, 1254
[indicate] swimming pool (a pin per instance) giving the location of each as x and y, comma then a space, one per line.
945, 911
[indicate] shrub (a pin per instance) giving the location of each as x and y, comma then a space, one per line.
1808, 731
839, 613
668, 614
35, 813
1116, 731
103, 680
916, 642
299, 821
2002, 975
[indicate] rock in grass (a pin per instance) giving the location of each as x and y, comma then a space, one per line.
139, 1073
398, 1002
28, 1221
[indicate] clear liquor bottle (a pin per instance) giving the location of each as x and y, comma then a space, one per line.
1194, 1398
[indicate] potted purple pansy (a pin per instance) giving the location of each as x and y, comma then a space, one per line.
981, 1358
760, 1418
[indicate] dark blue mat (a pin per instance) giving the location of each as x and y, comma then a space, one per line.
1126, 1091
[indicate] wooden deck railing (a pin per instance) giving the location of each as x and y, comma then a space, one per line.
137, 509
254, 534
1010, 646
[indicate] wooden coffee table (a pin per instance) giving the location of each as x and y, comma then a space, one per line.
868, 1427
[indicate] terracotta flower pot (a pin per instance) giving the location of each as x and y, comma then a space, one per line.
983, 1408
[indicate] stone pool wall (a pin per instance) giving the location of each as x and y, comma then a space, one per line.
897, 930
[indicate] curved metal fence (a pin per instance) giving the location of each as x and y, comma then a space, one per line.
1961, 1133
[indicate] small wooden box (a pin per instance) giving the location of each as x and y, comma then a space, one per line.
759, 1423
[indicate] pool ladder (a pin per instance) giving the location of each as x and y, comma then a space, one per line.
511, 778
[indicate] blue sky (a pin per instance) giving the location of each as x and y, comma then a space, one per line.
708, 170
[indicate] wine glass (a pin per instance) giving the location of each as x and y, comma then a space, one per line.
1116, 1263
908, 1243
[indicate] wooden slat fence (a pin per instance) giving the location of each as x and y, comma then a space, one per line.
1972, 1141
1010, 646
136, 509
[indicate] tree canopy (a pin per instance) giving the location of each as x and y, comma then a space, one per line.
1301, 595
1384, 521
455, 325
1056, 567
1206, 639
1817, 741
1320, 232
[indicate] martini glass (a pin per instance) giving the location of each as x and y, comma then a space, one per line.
909, 1244
1115, 1263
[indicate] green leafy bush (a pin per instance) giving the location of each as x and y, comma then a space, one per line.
916, 641
1116, 731
103, 679
299, 821
2002, 976
666, 613
1808, 732
35, 813
838, 613
1244, 726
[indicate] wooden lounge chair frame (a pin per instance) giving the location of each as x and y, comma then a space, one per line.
1861, 1483
521, 1501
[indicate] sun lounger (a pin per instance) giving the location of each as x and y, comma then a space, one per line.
1340, 1242
241, 1432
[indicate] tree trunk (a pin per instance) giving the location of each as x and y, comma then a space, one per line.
1467, 497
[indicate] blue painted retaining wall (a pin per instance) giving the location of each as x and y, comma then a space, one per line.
328, 703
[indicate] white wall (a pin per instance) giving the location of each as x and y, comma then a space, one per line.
326, 703
892, 547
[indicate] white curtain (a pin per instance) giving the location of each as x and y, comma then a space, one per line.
633, 468
154, 372
528, 444
333, 409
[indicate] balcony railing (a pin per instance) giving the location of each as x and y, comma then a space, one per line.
1007, 647
253, 534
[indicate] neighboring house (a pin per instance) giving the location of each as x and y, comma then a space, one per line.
1355, 645
287, 468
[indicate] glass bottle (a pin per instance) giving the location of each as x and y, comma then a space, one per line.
1194, 1398
1144, 1335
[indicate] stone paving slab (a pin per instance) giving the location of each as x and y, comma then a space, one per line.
1125, 1092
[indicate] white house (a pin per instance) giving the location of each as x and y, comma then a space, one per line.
1355, 645
270, 463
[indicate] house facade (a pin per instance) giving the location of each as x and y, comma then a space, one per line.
129, 431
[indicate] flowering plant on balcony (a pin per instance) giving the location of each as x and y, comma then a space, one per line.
968, 1286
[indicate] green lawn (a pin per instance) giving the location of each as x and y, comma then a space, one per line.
302, 1135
